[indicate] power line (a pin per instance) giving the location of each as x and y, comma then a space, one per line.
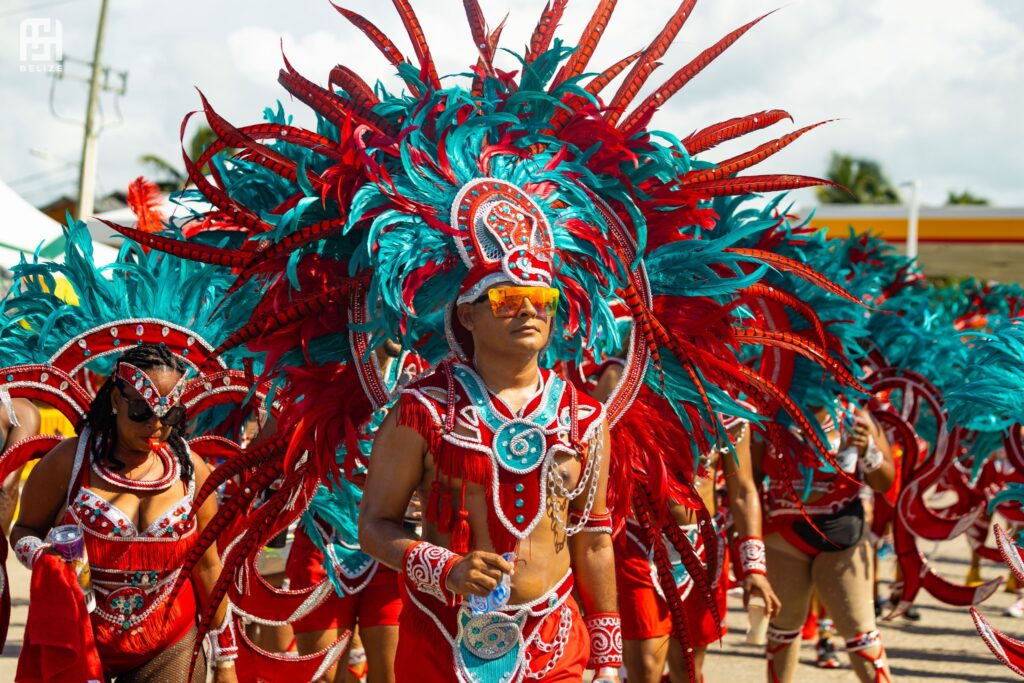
33, 8
41, 174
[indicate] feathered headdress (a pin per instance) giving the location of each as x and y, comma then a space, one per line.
371, 226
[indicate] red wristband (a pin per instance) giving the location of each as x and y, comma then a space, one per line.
752, 556
426, 567
223, 646
605, 631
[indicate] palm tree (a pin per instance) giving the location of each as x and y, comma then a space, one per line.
965, 197
169, 177
863, 180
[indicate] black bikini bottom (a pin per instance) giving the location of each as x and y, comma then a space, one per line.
836, 531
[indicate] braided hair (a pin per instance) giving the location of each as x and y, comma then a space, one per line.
102, 423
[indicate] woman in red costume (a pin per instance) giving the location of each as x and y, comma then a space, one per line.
128, 480
820, 544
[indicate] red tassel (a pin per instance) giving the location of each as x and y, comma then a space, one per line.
460, 533
433, 513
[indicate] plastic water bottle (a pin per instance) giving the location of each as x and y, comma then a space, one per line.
498, 597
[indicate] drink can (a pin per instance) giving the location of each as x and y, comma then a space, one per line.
68, 541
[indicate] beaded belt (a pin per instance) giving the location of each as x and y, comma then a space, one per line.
499, 645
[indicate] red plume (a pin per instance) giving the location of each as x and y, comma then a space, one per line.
144, 199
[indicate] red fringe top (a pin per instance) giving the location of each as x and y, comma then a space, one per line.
453, 461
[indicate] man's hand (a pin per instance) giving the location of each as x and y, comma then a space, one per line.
757, 584
478, 573
606, 675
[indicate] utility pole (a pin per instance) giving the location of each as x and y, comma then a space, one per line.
912, 217
87, 169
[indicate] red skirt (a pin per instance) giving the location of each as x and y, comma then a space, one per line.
378, 603
644, 611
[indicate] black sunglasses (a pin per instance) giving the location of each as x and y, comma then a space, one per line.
139, 411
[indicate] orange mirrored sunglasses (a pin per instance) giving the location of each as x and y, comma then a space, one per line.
506, 302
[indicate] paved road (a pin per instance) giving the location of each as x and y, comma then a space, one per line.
943, 646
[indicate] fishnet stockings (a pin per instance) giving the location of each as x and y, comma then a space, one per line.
170, 666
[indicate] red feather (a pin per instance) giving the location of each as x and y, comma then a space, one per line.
540, 41
643, 69
747, 159
255, 456
717, 133
193, 251
335, 109
376, 36
592, 34
801, 270
649, 522
794, 342
659, 97
419, 41
477, 26
299, 310
255, 152
354, 86
144, 199
755, 184
787, 299
599, 82
239, 215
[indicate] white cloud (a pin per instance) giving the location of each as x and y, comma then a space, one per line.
933, 90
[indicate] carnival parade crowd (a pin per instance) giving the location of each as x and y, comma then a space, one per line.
487, 380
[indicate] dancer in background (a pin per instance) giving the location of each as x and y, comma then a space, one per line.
366, 593
646, 623
19, 419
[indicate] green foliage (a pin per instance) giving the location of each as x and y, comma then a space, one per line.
863, 180
168, 176
965, 198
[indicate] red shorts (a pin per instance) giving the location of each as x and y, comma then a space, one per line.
644, 611
376, 604
425, 654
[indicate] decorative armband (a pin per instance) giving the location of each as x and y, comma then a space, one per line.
752, 557
223, 646
596, 524
28, 550
426, 567
605, 631
872, 458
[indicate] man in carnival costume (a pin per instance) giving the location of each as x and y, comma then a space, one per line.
522, 468
491, 226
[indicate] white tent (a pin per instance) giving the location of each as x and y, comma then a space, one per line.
23, 229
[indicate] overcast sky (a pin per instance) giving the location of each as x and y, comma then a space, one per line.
933, 89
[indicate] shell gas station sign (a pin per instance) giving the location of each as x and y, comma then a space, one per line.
952, 241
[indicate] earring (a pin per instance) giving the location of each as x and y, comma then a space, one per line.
114, 411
